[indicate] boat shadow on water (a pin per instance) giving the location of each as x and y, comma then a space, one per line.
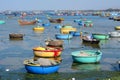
91, 45
86, 67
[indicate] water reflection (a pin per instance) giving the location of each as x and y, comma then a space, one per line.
91, 45
38, 32
86, 67
103, 41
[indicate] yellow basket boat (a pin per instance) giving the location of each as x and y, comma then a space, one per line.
39, 28
46, 52
67, 30
117, 28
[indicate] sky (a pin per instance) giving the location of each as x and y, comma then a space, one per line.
58, 4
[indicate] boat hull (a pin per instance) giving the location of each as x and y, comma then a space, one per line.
37, 68
67, 30
21, 22
47, 53
38, 28
63, 36
54, 43
59, 20
2, 22
91, 41
100, 36
114, 34
86, 59
14, 36
41, 70
117, 28
74, 33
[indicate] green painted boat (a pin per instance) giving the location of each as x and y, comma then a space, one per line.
88, 23
100, 36
2, 22
67, 26
86, 56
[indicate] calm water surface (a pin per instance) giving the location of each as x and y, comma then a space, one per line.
13, 53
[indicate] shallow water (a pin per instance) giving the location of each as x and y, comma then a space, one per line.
13, 52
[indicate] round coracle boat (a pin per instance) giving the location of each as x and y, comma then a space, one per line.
56, 47
88, 23
86, 56
2, 22
64, 36
16, 36
46, 52
54, 43
67, 30
114, 34
117, 28
41, 66
38, 28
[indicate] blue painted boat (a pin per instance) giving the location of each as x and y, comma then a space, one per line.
86, 56
35, 68
63, 36
77, 20
74, 33
46, 24
58, 26
81, 23
100, 36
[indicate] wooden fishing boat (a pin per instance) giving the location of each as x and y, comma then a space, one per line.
100, 36
86, 56
23, 22
14, 36
39, 28
63, 36
59, 20
44, 66
114, 34
54, 43
46, 52
58, 44
91, 41
117, 28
